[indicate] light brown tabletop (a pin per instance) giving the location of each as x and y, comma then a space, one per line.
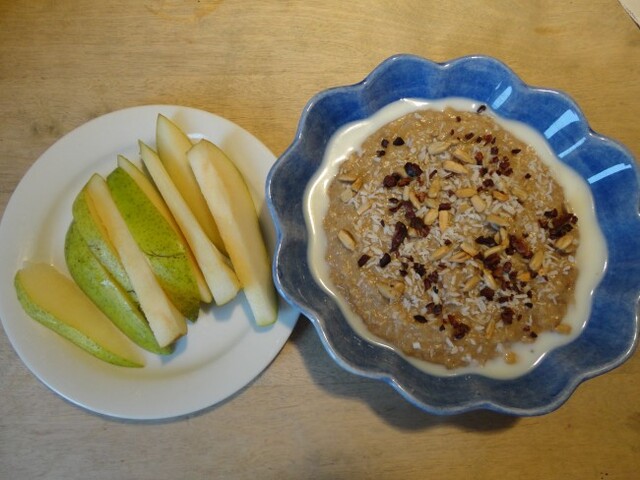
257, 63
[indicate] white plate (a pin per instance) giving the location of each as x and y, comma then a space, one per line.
223, 350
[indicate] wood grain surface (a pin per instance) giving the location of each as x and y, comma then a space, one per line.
257, 63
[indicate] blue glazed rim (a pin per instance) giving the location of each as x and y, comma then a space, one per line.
611, 334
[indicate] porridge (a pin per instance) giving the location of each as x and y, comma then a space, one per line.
450, 239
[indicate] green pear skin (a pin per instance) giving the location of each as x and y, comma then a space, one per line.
165, 250
52, 299
88, 225
107, 294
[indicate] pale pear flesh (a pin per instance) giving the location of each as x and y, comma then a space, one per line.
154, 196
164, 248
172, 145
166, 322
221, 278
231, 204
56, 302
107, 294
90, 227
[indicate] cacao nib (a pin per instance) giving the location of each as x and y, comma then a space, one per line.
399, 235
362, 261
412, 169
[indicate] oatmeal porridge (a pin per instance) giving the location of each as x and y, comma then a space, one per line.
450, 239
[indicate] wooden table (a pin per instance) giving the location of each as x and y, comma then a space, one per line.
258, 63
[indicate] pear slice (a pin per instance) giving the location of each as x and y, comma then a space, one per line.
55, 301
152, 194
165, 250
165, 320
220, 277
106, 293
173, 144
230, 203
90, 227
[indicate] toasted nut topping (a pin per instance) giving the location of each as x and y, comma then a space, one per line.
357, 184
347, 177
489, 280
413, 198
465, 192
455, 167
504, 238
498, 220
434, 188
524, 277
463, 156
431, 216
491, 326
490, 251
471, 283
391, 291
346, 195
536, 261
470, 249
460, 257
364, 207
437, 147
510, 358
443, 220
478, 203
563, 243
432, 203
563, 328
347, 239
519, 193
440, 252
500, 196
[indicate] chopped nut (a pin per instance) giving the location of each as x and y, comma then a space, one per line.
536, 261
434, 188
523, 277
504, 238
478, 203
346, 195
347, 177
455, 167
357, 184
460, 257
498, 220
519, 193
443, 219
470, 249
437, 147
431, 216
391, 291
463, 156
440, 252
347, 239
413, 198
489, 280
471, 283
563, 243
465, 192
491, 326
500, 196
490, 251
364, 207
510, 357
563, 328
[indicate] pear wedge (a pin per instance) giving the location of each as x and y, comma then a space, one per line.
230, 202
106, 293
165, 250
152, 194
55, 301
172, 144
90, 227
165, 320
220, 277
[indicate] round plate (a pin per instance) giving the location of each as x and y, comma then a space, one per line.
223, 350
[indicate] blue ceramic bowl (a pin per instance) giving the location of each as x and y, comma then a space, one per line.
611, 333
